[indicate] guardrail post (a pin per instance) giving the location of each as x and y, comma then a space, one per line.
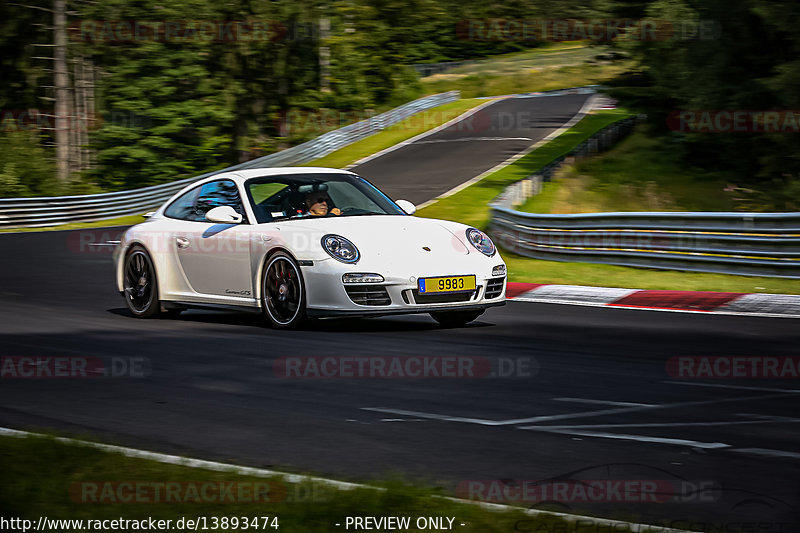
536, 180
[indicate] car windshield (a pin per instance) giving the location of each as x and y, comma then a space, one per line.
295, 195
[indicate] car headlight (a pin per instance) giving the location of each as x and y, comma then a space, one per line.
340, 248
481, 242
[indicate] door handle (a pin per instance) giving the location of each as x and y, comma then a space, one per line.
182, 242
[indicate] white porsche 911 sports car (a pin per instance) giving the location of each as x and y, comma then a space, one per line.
302, 243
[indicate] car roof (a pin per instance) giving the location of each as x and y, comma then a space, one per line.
246, 174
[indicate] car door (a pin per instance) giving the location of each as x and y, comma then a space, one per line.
215, 257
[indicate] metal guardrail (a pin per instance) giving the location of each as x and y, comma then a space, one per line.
753, 244
49, 211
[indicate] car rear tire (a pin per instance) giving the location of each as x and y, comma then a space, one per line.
455, 319
283, 296
140, 283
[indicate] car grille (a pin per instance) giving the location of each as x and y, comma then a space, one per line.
442, 298
494, 287
366, 295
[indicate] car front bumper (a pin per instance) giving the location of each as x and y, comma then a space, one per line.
328, 296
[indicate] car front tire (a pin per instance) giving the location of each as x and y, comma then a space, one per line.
283, 297
455, 319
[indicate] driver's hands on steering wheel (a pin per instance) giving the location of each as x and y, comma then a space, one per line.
335, 211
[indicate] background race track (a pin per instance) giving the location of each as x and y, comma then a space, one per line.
595, 401
436, 163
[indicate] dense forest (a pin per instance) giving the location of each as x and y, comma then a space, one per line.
157, 91
748, 67
170, 89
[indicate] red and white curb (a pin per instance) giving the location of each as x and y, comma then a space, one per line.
730, 303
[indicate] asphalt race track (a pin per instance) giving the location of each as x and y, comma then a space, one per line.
434, 164
590, 397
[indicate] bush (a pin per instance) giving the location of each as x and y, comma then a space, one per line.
26, 168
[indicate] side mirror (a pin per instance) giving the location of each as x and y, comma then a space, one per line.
407, 206
224, 214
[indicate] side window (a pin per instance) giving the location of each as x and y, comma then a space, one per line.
183, 207
215, 194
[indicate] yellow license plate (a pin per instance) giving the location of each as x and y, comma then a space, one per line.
446, 284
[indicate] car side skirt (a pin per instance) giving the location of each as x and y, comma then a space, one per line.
328, 313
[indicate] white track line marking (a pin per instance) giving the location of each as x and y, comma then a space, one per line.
514, 421
587, 106
466, 139
640, 438
766, 452
732, 387
612, 525
775, 418
446, 418
549, 418
665, 424
602, 402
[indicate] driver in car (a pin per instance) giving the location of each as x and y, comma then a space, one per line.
317, 203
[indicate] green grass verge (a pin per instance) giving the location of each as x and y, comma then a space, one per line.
128, 220
471, 205
396, 133
639, 174
543, 69
44, 477
554, 55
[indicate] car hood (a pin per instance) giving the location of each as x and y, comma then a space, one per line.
386, 237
